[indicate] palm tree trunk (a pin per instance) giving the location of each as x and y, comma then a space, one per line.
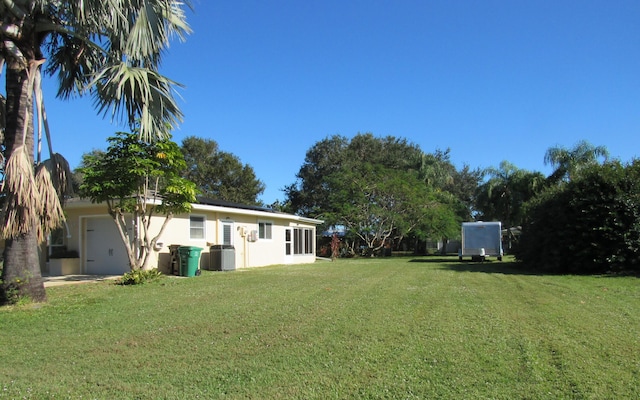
21, 275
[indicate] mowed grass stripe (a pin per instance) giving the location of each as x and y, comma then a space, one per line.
365, 328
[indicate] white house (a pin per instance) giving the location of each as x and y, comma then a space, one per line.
253, 236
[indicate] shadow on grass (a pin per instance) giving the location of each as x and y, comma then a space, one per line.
490, 266
435, 260
510, 267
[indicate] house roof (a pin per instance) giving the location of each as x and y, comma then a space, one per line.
215, 205
246, 209
223, 203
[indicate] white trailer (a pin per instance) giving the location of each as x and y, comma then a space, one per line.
481, 239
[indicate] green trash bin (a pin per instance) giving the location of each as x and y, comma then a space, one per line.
189, 260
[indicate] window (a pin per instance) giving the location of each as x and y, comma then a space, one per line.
56, 241
302, 241
287, 242
227, 236
56, 237
264, 230
196, 227
308, 241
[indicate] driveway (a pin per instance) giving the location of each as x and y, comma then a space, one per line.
73, 279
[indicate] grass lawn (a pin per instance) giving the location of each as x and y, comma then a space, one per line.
395, 328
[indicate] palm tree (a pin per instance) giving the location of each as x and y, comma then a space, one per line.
436, 169
568, 162
503, 195
110, 50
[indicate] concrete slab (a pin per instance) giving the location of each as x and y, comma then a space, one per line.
73, 279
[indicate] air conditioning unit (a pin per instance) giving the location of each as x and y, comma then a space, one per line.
253, 236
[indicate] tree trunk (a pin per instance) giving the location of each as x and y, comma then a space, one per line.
21, 275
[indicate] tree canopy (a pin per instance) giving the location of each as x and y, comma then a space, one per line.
329, 158
219, 174
373, 188
439, 174
310, 194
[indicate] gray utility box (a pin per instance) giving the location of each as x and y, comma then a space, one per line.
222, 257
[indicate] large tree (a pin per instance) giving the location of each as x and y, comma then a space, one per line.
220, 174
110, 50
378, 204
138, 179
464, 188
310, 195
373, 188
439, 174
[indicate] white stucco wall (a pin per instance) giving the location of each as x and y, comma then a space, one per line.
248, 253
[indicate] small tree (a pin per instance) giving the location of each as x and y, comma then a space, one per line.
136, 180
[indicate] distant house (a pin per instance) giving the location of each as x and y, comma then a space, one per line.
256, 237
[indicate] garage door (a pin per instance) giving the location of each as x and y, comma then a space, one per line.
105, 253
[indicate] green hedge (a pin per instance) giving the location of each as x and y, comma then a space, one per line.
588, 225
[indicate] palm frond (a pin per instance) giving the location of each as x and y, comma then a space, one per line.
51, 214
112, 49
146, 28
74, 59
138, 95
22, 200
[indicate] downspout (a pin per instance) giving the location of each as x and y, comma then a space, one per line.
216, 239
243, 235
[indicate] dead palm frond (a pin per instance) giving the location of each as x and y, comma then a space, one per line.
61, 177
22, 204
51, 214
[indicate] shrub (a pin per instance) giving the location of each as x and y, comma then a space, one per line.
139, 277
14, 293
588, 225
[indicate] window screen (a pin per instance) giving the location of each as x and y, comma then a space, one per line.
264, 230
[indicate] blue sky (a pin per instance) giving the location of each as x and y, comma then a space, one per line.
491, 80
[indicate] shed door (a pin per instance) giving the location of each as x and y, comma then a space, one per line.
105, 253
